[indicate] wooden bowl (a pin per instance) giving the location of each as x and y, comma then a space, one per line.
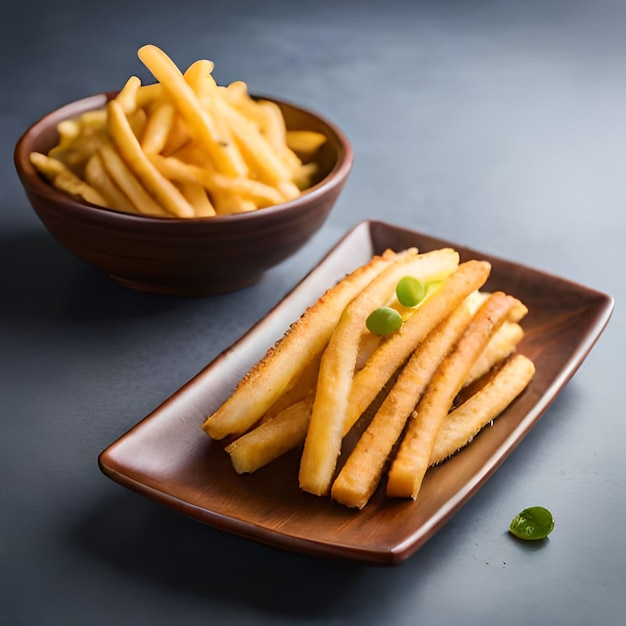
197, 256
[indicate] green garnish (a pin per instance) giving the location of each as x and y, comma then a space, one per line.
532, 523
383, 321
410, 291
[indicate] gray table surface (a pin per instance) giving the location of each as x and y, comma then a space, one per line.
498, 125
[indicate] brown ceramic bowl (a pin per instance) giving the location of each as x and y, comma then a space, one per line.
198, 256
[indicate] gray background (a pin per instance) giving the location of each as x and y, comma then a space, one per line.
500, 125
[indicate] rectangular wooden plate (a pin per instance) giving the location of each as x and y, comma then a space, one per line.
167, 457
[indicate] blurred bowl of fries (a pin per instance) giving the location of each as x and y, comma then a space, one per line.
194, 255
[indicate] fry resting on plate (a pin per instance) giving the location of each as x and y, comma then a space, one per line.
412, 389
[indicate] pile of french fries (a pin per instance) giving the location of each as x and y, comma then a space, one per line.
181, 147
414, 396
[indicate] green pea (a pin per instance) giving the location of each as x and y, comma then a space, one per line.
410, 291
532, 523
383, 321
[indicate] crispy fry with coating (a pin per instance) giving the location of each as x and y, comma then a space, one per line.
271, 439
363, 469
464, 422
326, 428
392, 352
500, 346
283, 363
413, 457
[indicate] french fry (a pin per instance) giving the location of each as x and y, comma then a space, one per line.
179, 139
137, 122
305, 143
271, 439
463, 423
261, 194
363, 469
146, 95
158, 127
391, 353
128, 183
240, 140
255, 148
224, 155
303, 387
197, 197
136, 160
227, 203
326, 429
65, 180
267, 116
463, 331
200, 79
303, 178
272, 125
284, 362
78, 139
281, 435
97, 176
413, 457
127, 96
500, 346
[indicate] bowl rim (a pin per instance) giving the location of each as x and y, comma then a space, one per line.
31, 178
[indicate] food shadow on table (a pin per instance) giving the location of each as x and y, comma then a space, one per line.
42, 282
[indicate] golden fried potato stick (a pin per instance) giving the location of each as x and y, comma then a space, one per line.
463, 423
326, 428
130, 150
281, 435
78, 139
65, 180
272, 125
225, 155
304, 341
364, 468
272, 438
127, 96
305, 143
97, 176
158, 127
147, 94
255, 148
128, 183
174, 169
227, 203
413, 457
197, 197
303, 387
304, 176
267, 116
394, 351
200, 79
199, 76
501, 345
179, 139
